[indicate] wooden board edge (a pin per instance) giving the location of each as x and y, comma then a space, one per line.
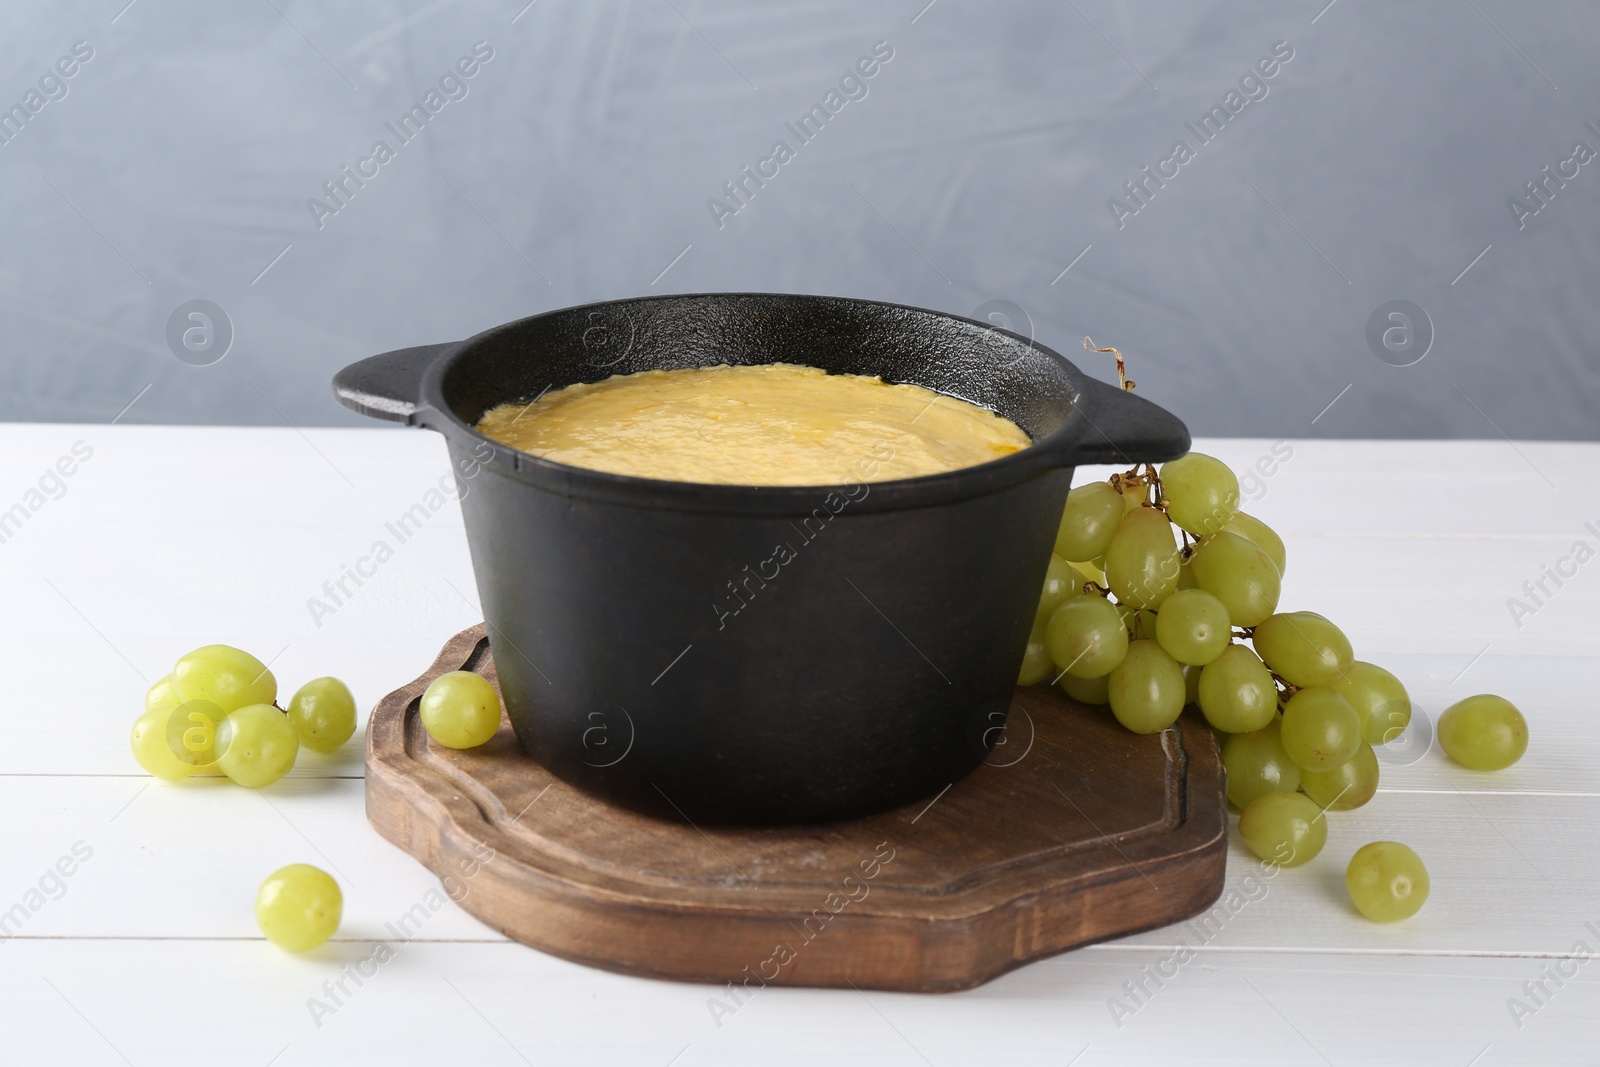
944, 955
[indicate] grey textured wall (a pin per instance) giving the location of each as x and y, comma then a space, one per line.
976, 169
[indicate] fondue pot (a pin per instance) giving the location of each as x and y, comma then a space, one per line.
738, 654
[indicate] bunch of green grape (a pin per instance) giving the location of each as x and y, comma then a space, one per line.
1161, 594
217, 713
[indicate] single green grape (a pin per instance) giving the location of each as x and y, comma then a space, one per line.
163, 693
1091, 571
1380, 700
1087, 690
1086, 637
1036, 665
1186, 578
193, 733
226, 676
1142, 562
1191, 684
1347, 786
1236, 692
258, 745
1089, 521
1202, 493
460, 709
323, 714
1386, 881
1303, 648
184, 730
1284, 828
1320, 729
298, 907
1240, 574
1135, 495
1192, 625
1146, 689
1483, 732
1061, 580
1261, 535
1257, 765
150, 747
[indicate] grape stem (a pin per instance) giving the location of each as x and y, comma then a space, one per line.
1131, 479
1122, 367
1155, 484
1285, 690
1134, 478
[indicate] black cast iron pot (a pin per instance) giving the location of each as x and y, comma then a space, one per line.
737, 654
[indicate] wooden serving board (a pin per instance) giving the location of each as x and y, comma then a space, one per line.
1074, 831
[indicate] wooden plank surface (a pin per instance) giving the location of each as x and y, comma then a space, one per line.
170, 538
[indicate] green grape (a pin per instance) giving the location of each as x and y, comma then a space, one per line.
1257, 765
1086, 637
1146, 689
1192, 625
1091, 571
1237, 694
1347, 786
192, 733
225, 676
162, 694
1202, 493
1238, 573
1089, 521
1261, 535
175, 738
1135, 495
461, 709
1191, 684
1186, 578
1303, 648
258, 745
1386, 881
1061, 580
1483, 732
150, 747
1285, 828
1320, 729
1142, 562
298, 907
323, 714
1379, 699
1086, 690
1036, 665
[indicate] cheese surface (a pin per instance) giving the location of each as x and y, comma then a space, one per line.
772, 424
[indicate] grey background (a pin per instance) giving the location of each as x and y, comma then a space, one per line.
578, 167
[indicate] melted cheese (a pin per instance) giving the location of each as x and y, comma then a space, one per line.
776, 424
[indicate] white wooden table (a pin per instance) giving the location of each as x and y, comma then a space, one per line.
168, 538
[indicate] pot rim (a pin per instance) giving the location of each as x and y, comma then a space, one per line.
1081, 439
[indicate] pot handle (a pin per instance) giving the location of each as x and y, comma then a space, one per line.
389, 386
1118, 427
